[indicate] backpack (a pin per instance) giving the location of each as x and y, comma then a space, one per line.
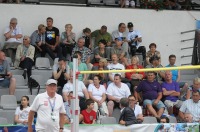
32, 83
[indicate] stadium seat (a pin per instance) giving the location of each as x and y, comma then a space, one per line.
116, 113
42, 63
3, 121
95, 2
149, 120
8, 102
108, 120
31, 98
9, 115
40, 79
19, 80
172, 119
56, 60
111, 2
4, 91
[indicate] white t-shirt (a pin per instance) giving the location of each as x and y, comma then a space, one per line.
137, 110
117, 66
121, 92
97, 93
23, 114
68, 87
132, 35
16, 31
42, 106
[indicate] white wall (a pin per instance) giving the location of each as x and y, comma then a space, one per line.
160, 27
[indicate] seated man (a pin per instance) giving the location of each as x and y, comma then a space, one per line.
102, 34
171, 93
154, 63
84, 51
6, 79
135, 40
13, 35
82, 92
191, 106
25, 56
136, 108
127, 116
61, 73
38, 40
115, 92
194, 87
152, 95
176, 74
52, 38
121, 32
118, 49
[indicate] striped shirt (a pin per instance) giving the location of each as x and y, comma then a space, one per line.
189, 106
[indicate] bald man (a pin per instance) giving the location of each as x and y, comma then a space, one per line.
6, 79
25, 56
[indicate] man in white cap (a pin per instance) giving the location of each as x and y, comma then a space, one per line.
50, 110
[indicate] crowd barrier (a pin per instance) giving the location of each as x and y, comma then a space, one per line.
168, 127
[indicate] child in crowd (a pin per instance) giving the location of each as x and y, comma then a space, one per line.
194, 87
89, 115
21, 113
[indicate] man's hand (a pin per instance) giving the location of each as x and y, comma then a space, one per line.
30, 129
117, 99
39, 43
22, 58
122, 122
53, 47
155, 102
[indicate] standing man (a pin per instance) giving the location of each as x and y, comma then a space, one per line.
50, 110
13, 35
6, 79
135, 41
25, 56
52, 38
102, 34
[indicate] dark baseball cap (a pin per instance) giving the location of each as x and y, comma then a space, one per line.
130, 24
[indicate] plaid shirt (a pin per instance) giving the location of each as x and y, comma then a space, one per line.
85, 53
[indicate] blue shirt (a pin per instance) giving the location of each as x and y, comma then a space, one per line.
174, 73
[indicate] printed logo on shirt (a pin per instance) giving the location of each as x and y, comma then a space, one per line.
51, 35
45, 103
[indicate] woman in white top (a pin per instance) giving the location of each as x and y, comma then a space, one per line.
97, 92
21, 113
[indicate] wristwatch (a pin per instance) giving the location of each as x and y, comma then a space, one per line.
61, 128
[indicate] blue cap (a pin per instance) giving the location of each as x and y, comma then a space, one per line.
119, 38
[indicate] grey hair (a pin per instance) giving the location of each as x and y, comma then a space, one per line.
13, 19
82, 39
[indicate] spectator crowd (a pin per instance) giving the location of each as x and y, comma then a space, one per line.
137, 94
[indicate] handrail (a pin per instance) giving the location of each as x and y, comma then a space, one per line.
187, 40
186, 48
188, 31
186, 56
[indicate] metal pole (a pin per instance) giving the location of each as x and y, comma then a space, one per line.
75, 108
187, 31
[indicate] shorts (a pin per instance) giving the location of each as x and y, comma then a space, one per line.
181, 84
158, 106
170, 103
5, 83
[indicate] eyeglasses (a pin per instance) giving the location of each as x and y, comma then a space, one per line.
131, 99
24, 39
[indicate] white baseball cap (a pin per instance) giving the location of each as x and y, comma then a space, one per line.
50, 81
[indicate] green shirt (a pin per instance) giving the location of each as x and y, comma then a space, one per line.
81, 67
98, 36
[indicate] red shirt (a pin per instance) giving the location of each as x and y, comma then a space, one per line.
128, 74
88, 117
